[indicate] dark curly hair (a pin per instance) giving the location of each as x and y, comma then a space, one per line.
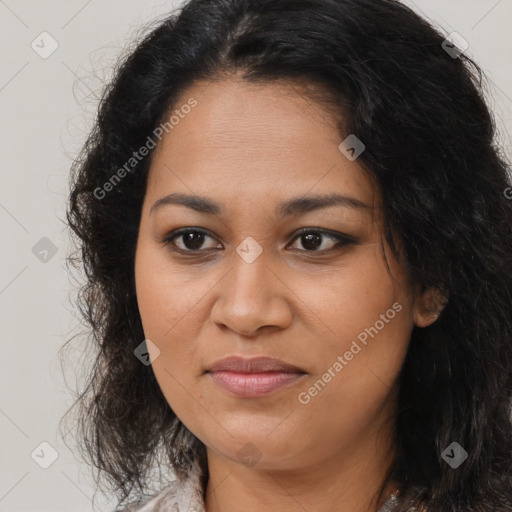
431, 145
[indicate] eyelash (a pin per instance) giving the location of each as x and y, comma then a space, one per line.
343, 240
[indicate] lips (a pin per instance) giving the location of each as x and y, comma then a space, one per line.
254, 365
253, 378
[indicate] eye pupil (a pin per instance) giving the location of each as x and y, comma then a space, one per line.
194, 238
315, 238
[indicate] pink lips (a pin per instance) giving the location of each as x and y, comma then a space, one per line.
254, 377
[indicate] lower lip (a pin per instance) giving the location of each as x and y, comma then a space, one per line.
250, 385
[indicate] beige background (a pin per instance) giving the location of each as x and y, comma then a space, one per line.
46, 109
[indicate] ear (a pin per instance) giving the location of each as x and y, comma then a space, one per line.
428, 304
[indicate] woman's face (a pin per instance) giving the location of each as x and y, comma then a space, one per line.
252, 286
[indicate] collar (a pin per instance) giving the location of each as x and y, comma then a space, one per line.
180, 495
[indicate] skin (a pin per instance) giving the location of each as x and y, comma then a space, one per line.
249, 147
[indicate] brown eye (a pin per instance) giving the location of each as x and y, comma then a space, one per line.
191, 240
316, 240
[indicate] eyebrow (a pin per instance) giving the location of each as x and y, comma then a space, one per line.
293, 206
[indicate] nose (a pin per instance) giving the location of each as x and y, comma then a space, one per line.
252, 298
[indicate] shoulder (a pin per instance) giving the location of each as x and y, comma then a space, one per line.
184, 495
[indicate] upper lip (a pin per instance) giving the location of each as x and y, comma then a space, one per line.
253, 365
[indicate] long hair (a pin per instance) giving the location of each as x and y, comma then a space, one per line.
431, 145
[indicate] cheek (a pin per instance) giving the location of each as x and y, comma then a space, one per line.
356, 378
168, 306
173, 306
165, 295
356, 295
369, 315
367, 347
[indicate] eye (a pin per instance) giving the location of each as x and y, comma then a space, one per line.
313, 239
191, 239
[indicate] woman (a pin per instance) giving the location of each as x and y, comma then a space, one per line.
298, 244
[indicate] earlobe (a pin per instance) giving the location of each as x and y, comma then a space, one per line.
428, 305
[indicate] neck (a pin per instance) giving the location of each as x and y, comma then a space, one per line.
348, 480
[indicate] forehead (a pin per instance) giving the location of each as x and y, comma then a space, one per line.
256, 143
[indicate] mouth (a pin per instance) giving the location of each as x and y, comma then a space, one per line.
256, 377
